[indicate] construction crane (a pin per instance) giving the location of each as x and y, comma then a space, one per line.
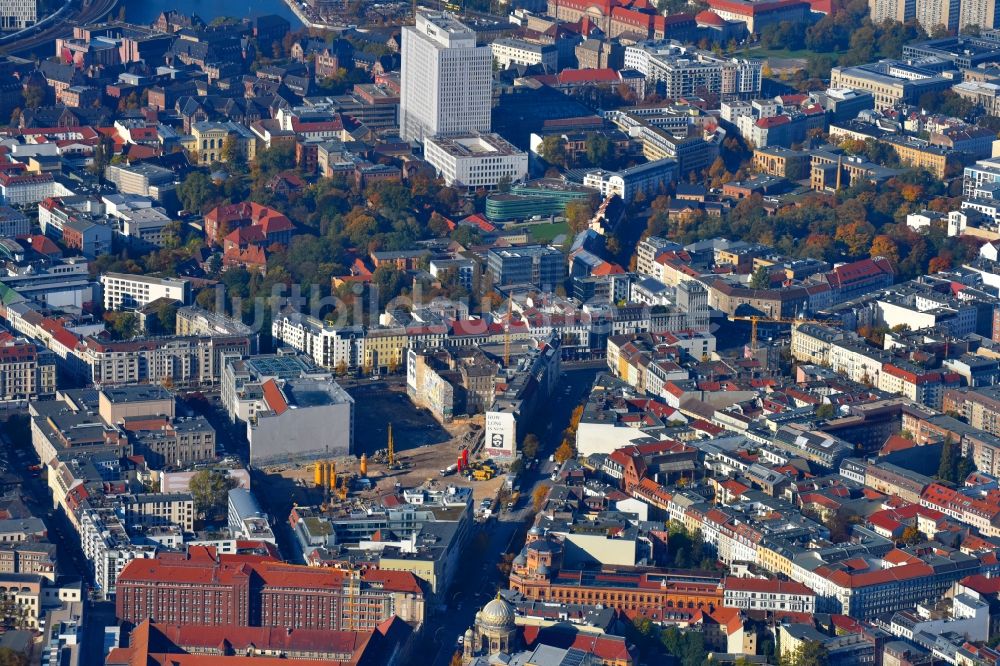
754, 319
392, 450
506, 333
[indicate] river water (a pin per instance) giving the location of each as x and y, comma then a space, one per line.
146, 11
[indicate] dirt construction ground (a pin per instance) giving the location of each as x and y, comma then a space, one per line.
423, 448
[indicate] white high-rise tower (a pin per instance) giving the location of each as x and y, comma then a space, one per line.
447, 81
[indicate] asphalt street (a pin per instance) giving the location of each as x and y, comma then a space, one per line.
481, 578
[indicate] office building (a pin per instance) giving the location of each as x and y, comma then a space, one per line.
245, 518
890, 81
18, 14
446, 80
143, 178
509, 52
648, 178
475, 161
127, 291
255, 591
301, 419
539, 265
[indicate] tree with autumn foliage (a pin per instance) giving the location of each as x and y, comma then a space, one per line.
856, 236
939, 263
883, 246
911, 535
539, 496
565, 452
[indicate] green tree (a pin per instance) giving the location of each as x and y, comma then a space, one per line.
600, 150
231, 152
809, 653
578, 214
825, 411
553, 151
196, 191
948, 466
167, 314
122, 325
965, 467
34, 96
210, 490
529, 448
761, 278
10, 658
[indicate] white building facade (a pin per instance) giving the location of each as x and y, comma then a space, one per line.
446, 80
122, 290
476, 160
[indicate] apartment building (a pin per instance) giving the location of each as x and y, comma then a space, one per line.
13, 223
107, 546
328, 346
181, 360
980, 407
982, 13
27, 371
125, 291
771, 595
679, 71
158, 509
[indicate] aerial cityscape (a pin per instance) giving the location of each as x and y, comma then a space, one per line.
500, 333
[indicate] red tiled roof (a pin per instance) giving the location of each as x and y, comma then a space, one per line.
707, 17
605, 647
768, 585
858, 270
570, 76
274, 398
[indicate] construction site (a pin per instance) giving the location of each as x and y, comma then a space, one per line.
398, 446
